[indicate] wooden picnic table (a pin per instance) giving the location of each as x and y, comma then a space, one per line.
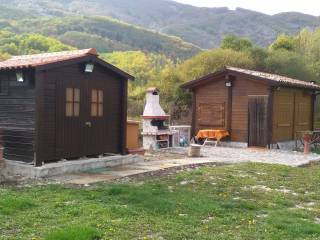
208, 134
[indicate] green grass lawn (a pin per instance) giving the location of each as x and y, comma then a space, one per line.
249, 201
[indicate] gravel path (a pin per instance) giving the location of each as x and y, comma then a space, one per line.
232, 155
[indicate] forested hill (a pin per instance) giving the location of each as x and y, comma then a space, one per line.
104, 33
204, 27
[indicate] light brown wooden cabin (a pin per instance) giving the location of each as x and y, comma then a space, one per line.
256, 108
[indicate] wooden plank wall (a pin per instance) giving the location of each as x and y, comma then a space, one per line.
211, 105
292, 112
46, 110
49, 146
113, 101
317, 113
216, 94
242, 88
17, 116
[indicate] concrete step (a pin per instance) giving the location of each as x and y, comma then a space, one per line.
65, 167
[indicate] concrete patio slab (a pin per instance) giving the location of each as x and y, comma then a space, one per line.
85, 179
68, 167
211, 156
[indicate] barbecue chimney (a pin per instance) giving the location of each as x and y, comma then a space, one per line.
156, 133
153, 108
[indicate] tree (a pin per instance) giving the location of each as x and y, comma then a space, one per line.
13, 44
36, 43
284, 42
288, 63
148, 70
4, 56
259, 56
236, 43
211, 61
178, 102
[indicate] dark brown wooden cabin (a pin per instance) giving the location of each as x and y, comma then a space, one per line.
255, 107
62, 105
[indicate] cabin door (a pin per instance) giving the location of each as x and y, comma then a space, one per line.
70, 115
96, 121
81, 116
258, 121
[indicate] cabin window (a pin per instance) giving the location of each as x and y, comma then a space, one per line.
72, 102
96, 103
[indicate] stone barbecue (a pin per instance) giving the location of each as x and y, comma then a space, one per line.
156, 132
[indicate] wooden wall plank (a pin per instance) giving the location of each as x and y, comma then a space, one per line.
211, 105
17, 116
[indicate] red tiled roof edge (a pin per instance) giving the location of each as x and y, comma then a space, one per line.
274, 78
36, 60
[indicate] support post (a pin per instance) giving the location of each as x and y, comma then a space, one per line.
194, 113
307, 137
123, 139
270, 116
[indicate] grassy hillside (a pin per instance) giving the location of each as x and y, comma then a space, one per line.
105, 34
204, 27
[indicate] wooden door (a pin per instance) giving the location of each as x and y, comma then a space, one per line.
258, 121
70, 115
81, 117
96, 116
95, 126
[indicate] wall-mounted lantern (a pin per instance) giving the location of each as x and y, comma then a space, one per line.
89, 67
20, 77
228, 82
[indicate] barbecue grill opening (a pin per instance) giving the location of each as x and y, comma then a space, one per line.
160, 124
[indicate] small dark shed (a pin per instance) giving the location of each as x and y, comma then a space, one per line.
62, 105
256, 108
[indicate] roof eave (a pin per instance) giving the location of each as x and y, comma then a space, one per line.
194, 83
115, 69
91, 57
200, 81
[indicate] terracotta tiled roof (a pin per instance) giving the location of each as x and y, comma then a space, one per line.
282, 80
37, 60
274, 79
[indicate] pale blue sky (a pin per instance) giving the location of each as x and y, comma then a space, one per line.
265, 6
